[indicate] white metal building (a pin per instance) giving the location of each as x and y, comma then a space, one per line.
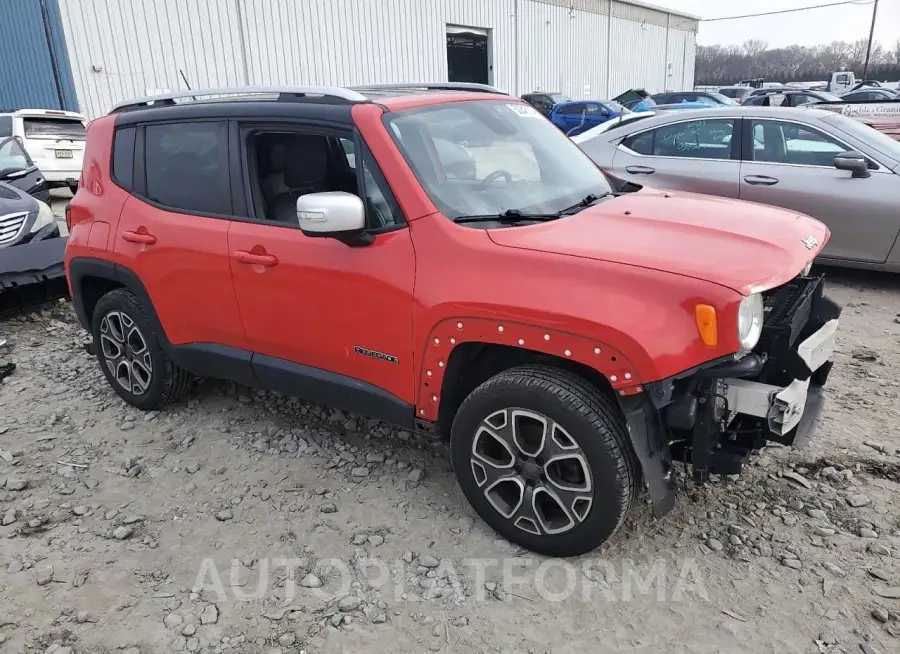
583, 48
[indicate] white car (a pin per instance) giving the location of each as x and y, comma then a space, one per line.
594, 132
53, 139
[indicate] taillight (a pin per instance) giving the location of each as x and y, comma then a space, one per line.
68, 218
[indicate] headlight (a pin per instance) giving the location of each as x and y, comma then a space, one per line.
44, 217
750, 321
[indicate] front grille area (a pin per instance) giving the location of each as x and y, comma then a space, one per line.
788, 307
10, 226
793, 312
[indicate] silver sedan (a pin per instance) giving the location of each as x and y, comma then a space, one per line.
815, 162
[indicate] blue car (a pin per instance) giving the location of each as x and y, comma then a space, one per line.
580, 115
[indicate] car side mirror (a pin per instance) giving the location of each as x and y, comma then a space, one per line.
336, 214
855, 162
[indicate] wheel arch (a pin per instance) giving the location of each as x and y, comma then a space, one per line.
90, 279
461, 353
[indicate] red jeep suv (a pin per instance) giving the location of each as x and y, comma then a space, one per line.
441, 257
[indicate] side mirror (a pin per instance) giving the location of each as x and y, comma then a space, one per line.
336, 214
855, 162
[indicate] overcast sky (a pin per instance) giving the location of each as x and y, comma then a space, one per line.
842, 23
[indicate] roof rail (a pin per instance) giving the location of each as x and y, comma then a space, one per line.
168, 99
431, 86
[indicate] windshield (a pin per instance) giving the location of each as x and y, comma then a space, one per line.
56, 128
496, 157
616, 107
868, 135
824, 96
734, 93
559, 97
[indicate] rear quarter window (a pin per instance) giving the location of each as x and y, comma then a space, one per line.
5, 126
123, 158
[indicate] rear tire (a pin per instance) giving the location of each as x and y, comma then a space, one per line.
130, 355
545, 459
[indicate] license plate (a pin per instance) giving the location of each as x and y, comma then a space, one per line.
63, 154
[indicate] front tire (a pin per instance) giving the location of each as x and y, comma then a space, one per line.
545, 459
130, 356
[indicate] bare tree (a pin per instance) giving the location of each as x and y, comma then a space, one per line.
728, 64
754, 47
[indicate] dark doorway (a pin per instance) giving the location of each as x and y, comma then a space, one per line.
468, 56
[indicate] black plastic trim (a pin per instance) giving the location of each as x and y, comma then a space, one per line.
332, 389
648, 439
214, 360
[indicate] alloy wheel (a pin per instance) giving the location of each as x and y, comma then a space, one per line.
532, 472
125, 352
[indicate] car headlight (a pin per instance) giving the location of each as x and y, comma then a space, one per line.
44, 217
750, 321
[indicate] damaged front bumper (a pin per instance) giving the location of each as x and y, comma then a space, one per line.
712, 417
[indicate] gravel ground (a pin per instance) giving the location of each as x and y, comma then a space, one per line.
244, 521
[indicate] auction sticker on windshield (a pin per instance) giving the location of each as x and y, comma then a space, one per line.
524, 110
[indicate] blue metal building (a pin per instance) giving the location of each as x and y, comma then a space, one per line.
35, 70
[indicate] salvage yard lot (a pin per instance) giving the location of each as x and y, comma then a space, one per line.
111, 517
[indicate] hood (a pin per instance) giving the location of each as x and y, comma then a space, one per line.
744, 246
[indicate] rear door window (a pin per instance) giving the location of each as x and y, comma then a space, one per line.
573, 109
697, 139
187, 166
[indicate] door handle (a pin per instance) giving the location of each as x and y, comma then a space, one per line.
139, 237
252, 258
640, 170
761, 180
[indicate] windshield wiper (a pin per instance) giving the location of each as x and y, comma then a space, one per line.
585, 202
509, 216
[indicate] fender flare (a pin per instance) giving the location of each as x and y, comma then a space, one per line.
450, 333
81, 268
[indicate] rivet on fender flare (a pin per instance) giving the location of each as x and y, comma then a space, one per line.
568, 353
500, 328
596, 350
521, 341
613, 379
